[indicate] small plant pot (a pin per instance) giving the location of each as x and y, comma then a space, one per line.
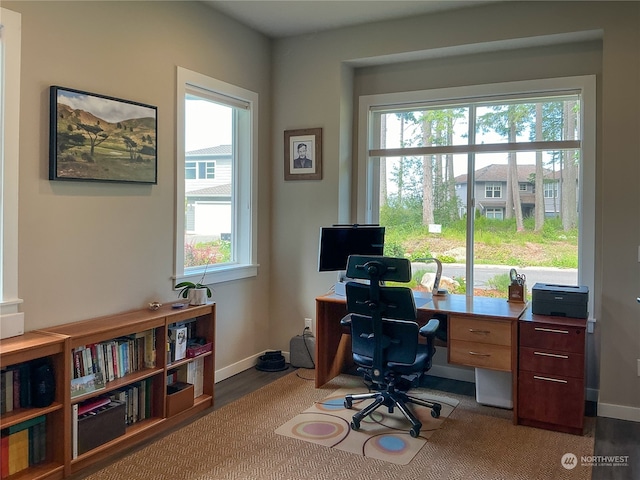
198, 296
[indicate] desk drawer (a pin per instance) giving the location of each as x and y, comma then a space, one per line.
552, 337
480, 331
551, 399
483, 355
543, 360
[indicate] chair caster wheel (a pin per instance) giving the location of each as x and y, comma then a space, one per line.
348, 404
355, 425
435, 412
414, 432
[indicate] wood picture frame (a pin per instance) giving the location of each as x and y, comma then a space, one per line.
303, 154
99, 138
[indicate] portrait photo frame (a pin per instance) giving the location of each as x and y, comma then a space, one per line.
303, 154
98, 138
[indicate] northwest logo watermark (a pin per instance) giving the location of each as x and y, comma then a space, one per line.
570, 461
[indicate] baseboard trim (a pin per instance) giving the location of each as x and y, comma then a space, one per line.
242, 365
620, 412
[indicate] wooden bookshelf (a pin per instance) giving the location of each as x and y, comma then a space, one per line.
29, 347
127, 324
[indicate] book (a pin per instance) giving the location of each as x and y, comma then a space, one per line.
74, 430
4, 455
178, 339
9, 390
18, 451
87, 384
92, 404
25, 425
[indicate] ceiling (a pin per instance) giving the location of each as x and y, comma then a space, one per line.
284, 18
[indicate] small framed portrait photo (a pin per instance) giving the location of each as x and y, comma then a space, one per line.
303, 154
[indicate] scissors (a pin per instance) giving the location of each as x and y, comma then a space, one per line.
521, 278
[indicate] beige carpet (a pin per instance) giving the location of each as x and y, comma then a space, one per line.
381, 435
238, 441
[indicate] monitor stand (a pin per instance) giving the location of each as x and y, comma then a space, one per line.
340, 287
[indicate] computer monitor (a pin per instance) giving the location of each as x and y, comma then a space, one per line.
339, 241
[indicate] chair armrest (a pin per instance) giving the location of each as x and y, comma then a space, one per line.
429, 330
346, 321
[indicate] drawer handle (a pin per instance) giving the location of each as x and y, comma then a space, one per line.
554, 355
551, 330
480, 354
483, 332
557, 380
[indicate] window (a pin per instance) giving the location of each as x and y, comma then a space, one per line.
459, 157
10, 24
494, 213
550, 189
216, 184
493, 190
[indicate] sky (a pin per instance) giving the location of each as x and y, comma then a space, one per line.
106, 109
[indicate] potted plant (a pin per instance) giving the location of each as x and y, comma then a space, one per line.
197, 293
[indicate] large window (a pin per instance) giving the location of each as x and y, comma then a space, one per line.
9, 135
459, 159
216, 179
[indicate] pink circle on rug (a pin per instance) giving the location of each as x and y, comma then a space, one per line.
318, 429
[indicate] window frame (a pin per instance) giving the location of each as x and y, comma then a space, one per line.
10, 43
493, 187
367, 199
244, 200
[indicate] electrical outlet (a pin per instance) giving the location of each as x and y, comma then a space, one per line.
307, 323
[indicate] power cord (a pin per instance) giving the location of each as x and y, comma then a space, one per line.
307, 333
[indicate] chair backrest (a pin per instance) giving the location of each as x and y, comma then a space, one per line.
399, 339
394, 339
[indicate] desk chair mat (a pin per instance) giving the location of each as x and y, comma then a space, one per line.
385, 437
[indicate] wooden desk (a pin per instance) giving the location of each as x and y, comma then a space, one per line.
482, 332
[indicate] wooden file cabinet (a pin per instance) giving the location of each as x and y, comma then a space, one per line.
483, 343
551, 372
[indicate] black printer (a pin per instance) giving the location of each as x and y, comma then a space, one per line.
560, 300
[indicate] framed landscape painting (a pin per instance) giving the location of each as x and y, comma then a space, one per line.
99, 138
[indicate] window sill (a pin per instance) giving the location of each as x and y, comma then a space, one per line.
221, 274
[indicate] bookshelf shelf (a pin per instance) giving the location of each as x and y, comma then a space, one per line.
23, 414
141, 392
119, 383
17, 355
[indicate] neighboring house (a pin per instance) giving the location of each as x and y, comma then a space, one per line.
491, 190
208, 176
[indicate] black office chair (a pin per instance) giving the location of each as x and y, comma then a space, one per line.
384, 338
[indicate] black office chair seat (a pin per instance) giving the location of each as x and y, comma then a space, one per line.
407, 361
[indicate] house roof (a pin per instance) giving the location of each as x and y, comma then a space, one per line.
217, 150
213, 191
498, 173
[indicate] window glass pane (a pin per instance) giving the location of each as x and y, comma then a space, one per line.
422, 206
506, 233
208, 197
524, 203
423, 127
534, 120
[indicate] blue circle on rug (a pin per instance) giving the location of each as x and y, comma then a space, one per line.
391, 443
330, 404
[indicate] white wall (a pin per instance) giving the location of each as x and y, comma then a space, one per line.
313, 87
91, 249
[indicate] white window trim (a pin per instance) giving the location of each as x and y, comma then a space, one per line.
367, 203
247, 192
10, 23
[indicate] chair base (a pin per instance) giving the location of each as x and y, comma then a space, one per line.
391, 398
